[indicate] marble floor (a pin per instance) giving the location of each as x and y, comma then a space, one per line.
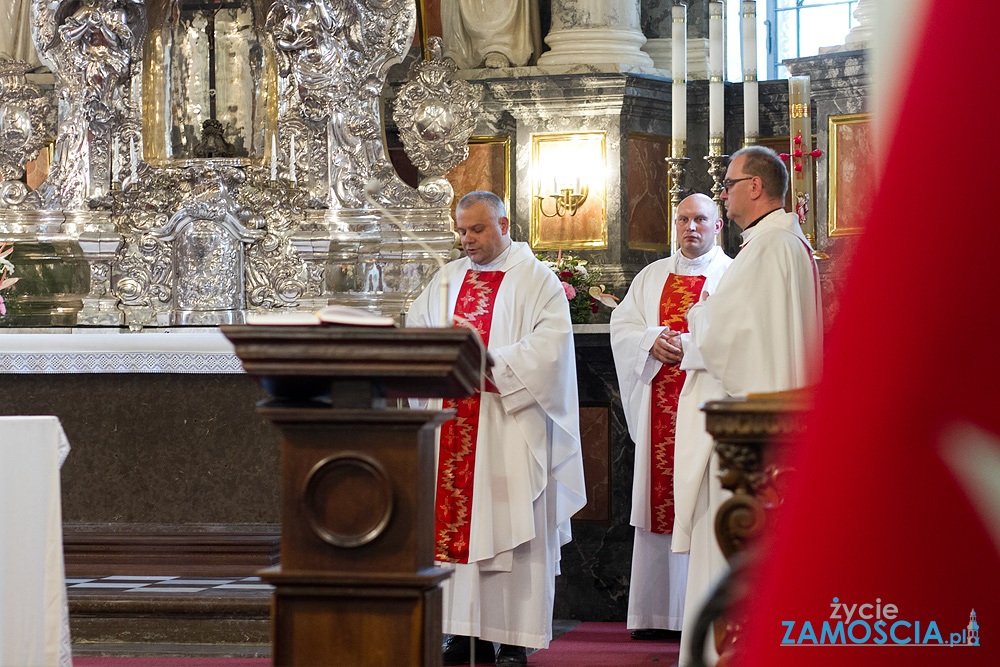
169, 616
201, 586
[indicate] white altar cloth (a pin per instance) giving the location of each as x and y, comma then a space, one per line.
34, 614
81, 351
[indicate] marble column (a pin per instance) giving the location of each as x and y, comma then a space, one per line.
595, 32
655, 22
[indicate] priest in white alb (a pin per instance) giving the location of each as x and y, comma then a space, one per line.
510, 468
647, 356
759, 331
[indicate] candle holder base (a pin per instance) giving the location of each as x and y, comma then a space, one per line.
717, 170
677, 166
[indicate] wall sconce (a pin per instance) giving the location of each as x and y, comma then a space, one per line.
568, 197
567, 201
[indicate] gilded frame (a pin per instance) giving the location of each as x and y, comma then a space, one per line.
538, 231
504, 140
641, 245
834, 226
428, 23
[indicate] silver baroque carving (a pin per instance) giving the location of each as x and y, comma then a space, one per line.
23, 112
434, 112
94, 49
207, 243
204, 241
335, 54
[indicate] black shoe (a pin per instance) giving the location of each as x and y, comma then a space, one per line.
512, 655
457, 649
655, 635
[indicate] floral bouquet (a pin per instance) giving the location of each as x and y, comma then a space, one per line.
580, 284
5, 268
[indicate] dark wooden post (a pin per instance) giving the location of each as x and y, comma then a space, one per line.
357, 584
750, 435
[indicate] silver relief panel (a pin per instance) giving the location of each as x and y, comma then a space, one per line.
336, 54
93, 48
204, 190
23, 111
434, 112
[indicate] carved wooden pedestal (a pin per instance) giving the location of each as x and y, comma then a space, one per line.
357, 584
750, 434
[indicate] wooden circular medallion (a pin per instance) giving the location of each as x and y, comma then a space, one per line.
347, 499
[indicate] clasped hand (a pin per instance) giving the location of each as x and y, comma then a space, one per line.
667, 348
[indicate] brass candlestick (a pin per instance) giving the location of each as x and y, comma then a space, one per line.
676, 169
717, 163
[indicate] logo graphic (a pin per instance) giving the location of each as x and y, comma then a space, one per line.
874, 624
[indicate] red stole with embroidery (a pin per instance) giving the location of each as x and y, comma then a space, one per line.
457, 454
679, 294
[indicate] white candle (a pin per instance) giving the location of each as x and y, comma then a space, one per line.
678, 70
116, 169
291, 159
274, 157
716, 90
751, 123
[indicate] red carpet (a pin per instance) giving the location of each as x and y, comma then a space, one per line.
604, 645
170, 662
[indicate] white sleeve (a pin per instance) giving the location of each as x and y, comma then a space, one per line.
646, 366
514, 396
692, 360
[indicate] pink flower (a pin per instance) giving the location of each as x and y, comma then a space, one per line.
3, 308
569, 289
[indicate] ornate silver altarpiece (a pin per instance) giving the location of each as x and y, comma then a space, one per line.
219, 157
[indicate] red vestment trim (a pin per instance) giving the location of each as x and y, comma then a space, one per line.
679, 294
457, 453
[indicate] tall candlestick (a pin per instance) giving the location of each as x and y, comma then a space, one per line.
750, 105
678, 69
291, 159
716, 90
274, 157
800, 145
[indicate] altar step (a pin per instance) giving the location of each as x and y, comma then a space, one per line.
169, 615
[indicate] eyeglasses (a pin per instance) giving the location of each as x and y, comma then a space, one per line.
730, 182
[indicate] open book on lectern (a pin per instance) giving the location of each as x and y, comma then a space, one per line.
343, 315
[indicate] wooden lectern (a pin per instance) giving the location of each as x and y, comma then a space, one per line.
357, 584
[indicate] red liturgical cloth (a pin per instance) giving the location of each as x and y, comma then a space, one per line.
679, 294
457, 455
